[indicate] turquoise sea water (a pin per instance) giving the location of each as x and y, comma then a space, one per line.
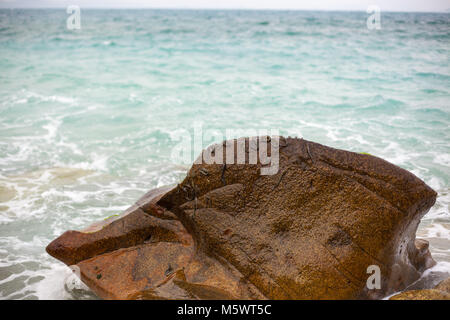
88, 117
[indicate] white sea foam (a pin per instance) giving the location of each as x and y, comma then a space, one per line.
438, 230
51, 98
442, 159
52, 128
60, 283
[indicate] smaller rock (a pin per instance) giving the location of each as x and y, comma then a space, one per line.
422, 256
426, 294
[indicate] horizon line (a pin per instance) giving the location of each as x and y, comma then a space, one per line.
222, 9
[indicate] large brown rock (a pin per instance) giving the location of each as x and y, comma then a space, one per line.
308, 232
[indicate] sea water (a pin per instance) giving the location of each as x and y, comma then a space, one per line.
88, 117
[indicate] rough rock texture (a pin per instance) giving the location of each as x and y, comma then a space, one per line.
440, 292
140, 223
425, 294
308, 232
444, 286
146, 253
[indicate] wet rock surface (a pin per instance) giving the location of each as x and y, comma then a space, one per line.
440, 292
310, 231
425, 294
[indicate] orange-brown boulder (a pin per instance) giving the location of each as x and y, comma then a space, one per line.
424, 294
310, 231
440, 292
146, 253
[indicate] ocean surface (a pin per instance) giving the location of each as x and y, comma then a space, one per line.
89, 118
